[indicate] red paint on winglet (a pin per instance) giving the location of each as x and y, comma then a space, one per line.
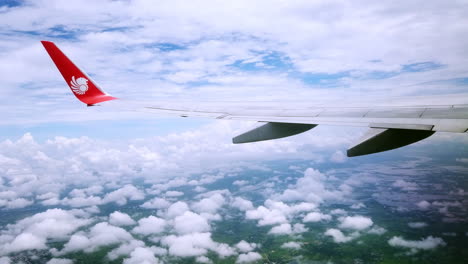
80, 84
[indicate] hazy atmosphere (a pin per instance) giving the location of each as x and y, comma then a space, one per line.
87, 185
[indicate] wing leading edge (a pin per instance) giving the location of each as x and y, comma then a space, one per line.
390, 127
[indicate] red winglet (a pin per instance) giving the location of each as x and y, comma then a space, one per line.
85, 89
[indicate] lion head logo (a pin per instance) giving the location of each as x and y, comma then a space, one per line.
79, 86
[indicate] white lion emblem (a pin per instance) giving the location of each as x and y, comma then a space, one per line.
79, 86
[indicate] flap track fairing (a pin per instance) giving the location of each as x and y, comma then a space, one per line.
272, 130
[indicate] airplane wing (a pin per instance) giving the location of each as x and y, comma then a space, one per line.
390, 126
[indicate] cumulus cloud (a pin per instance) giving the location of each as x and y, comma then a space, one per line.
242, 204
311, 188
266, 216
176, 209
203, 259
101, 234
60, 261
156, 203
357, 222
141, 255
292, 245
240, 182
287, 229
120, 219
244, 246
120, 196
338, 157
195, 244
316, 217
24, 241
34, 231
377, 230
417, 224
427, 243
404, 185
338, 236
277, 212
190, 222
210, 204
150, 225
423, 205
174, 193
338, 212
248, 257
124, 249
358, 206
18, 203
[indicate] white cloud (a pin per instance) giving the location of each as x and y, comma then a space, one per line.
283, 229
120, 196
277, 212
287, 229
242, 204
190, 222
338, 236
174, 193
195, 244
292, 245
78, 201
358, 206
141, 255
18, 203
101, 234
59, 261
417, 224
203, 259
404, 185
244, 246
156, 203
176, 209
210, 204
24, 241
357, 222
240, 182
120, 219
248, 257
32, 232
5, 260
338, 212
310, 188
266, 216
316, 217
125, 249
423, 205
377, 230
429, 242
77, 242
150, 225
338, 157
